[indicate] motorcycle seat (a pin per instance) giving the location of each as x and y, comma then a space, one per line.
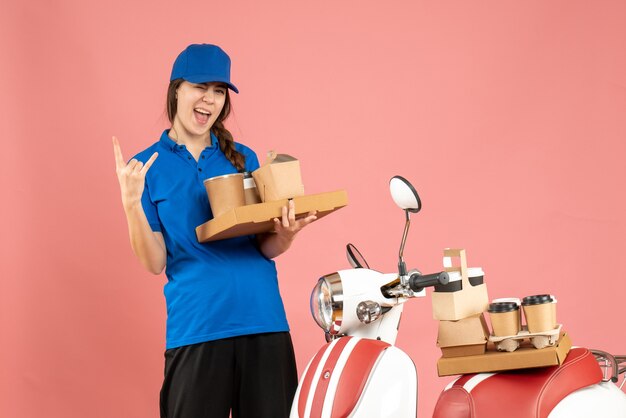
526, 393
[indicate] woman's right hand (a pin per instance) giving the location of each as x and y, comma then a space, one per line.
131, 176
148, 245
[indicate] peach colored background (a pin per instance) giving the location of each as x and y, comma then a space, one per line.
508, 117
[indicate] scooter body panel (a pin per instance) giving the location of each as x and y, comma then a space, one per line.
350, 376
391, 391
602, 400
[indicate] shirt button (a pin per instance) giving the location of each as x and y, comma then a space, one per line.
203, 157
199, 169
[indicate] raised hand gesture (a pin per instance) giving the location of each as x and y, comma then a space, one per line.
131, 176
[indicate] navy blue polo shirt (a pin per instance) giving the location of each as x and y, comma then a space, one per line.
217, 289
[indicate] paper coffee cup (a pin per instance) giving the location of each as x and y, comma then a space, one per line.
540, 313
225, 193
475, 275
517, 301
250, 190
505, 318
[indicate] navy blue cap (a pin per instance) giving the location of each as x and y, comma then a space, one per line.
203, 63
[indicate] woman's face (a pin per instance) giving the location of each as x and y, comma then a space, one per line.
197, 107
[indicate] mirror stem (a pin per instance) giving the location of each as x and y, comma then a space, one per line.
401, 264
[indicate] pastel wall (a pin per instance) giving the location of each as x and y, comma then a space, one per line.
508, 117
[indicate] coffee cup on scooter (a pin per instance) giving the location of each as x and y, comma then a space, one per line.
540, 313
505, 318
517, 301
475, 275
225, 193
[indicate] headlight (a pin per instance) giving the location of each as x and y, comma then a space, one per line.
327, 303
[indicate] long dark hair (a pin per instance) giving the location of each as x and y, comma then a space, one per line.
225, 138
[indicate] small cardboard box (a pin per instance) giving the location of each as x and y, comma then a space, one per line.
465, 337
258, 218
278, 178
524, 357
470, 300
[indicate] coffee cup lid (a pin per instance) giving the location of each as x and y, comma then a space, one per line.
498, 307
537, 299
514, 300
475, 271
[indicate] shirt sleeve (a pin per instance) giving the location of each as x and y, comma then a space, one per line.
252, 162
150, 210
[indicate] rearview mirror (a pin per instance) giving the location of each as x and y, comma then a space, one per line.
404, 194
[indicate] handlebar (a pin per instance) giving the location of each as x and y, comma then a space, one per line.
417, 282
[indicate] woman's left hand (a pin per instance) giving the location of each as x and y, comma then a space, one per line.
289, 226
285, 230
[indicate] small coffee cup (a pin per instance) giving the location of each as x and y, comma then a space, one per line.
540, 313
505, 318
475, 275
250, 190
517, 301
225, 193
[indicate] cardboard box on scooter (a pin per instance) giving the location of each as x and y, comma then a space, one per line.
278, 178
493, 360
465, 337
470, 300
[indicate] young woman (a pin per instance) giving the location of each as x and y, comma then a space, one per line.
228, 345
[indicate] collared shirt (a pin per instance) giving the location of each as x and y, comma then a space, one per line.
217, 289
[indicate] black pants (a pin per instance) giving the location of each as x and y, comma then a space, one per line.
254, 375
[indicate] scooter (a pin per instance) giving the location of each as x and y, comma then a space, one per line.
360, 373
